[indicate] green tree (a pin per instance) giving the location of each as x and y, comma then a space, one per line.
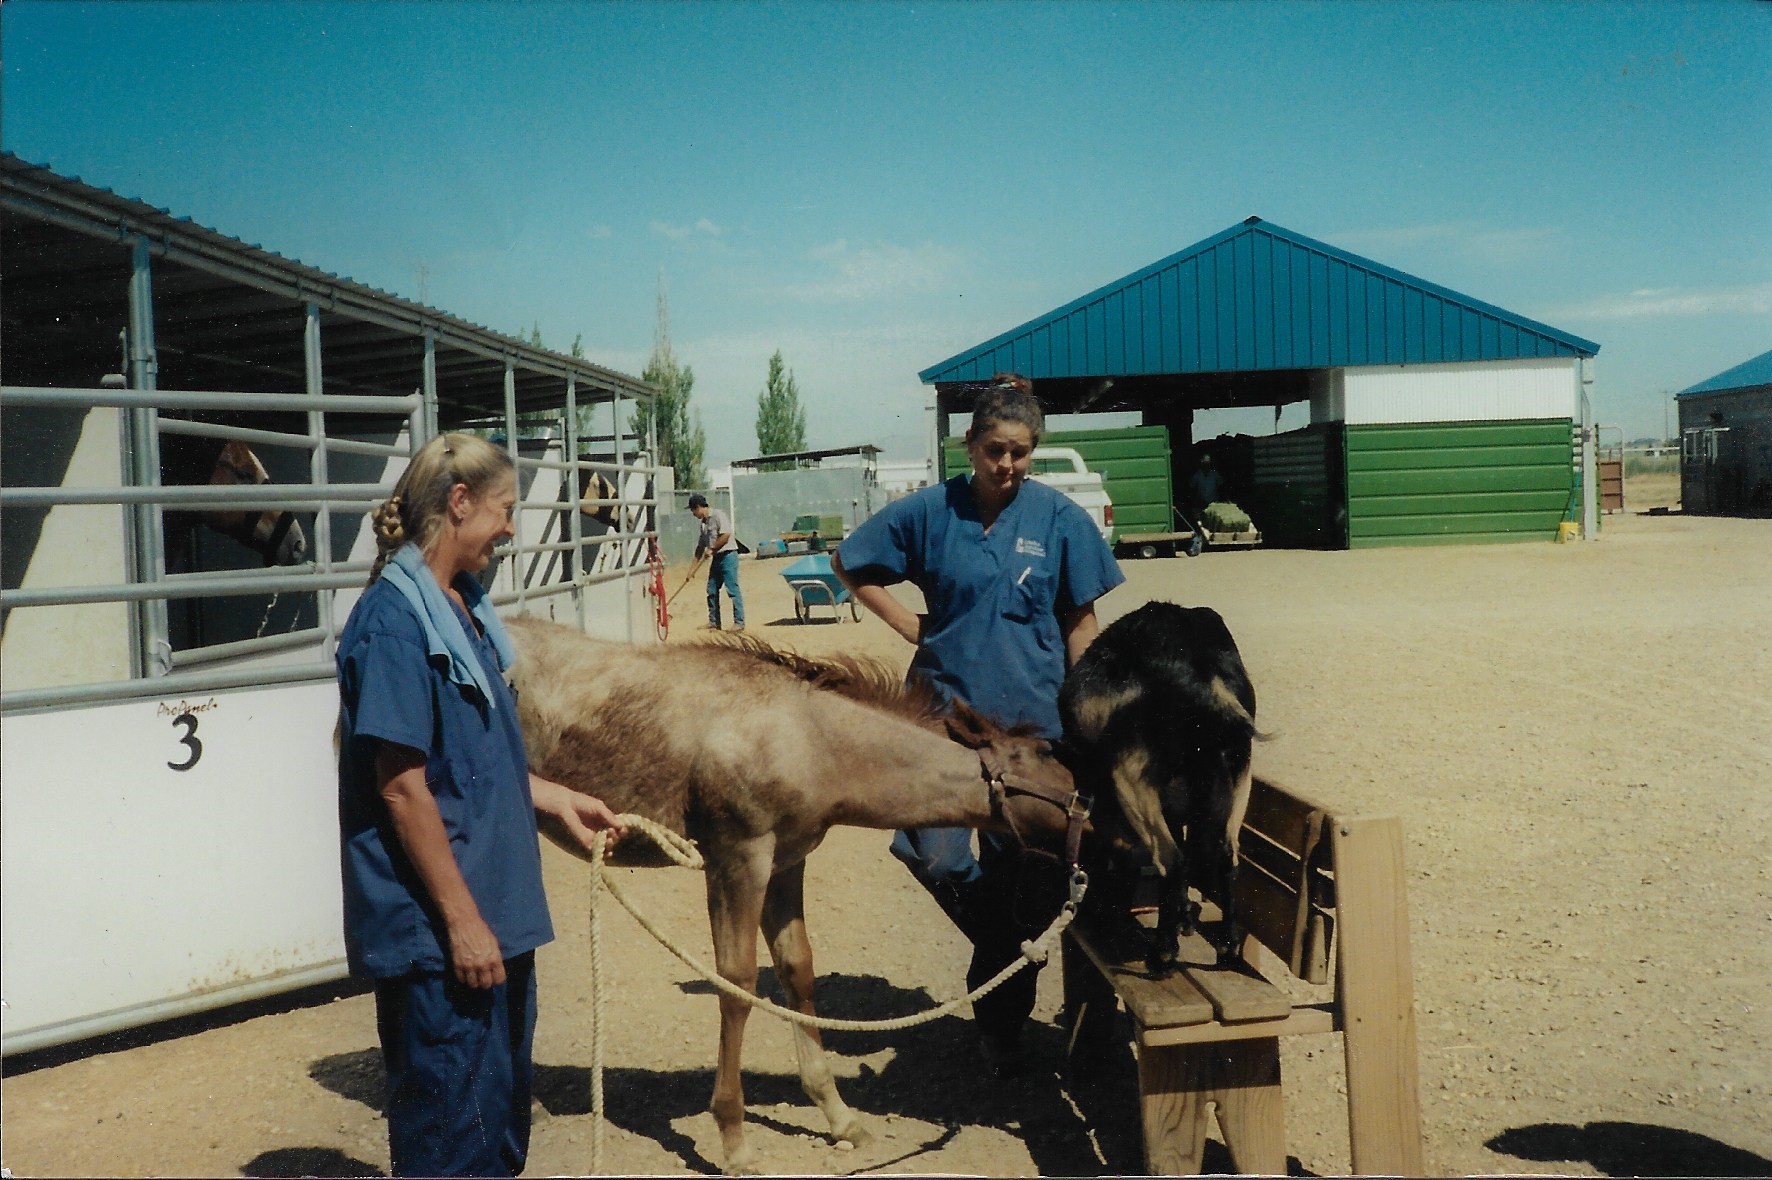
781, 420
682, 444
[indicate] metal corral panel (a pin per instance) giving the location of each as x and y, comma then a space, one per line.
1258, 297
1295, 493
765, 503
1134, 465
1458, 482
1486, 391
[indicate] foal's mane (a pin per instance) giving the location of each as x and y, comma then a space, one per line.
861, 679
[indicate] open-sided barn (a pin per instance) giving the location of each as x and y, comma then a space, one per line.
169, 392
1434, 417
1726, 442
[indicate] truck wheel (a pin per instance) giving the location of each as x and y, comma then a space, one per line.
1147, 551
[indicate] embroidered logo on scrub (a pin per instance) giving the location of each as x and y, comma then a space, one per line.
1028, 547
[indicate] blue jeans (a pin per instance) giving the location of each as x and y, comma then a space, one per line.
723, 571
459, 1071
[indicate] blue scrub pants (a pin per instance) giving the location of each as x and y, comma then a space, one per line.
723, 571
459, 1071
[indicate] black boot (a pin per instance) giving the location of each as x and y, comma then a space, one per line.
963, 903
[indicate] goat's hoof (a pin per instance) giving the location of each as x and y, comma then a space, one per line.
1161, 967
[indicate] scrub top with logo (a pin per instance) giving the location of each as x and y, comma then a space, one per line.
994, 599
477, 770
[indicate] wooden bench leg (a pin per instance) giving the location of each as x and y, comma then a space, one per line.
1172, 1101
1251, 1114
1377, 998
1242, 1078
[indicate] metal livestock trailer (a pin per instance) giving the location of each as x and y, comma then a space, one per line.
169, 815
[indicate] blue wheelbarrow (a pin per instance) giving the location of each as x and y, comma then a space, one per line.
815, 584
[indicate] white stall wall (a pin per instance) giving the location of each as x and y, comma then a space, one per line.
80, 544
1486, 391
132, 890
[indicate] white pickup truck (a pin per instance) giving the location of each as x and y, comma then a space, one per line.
1063, 468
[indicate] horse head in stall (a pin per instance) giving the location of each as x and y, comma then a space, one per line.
274, 534
598, 486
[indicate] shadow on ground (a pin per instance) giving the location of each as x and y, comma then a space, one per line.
1630, 1149
307, 1161
178, 1027
1076, 1119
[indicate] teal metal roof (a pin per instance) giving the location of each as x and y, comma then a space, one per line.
1743, 376
1257, 297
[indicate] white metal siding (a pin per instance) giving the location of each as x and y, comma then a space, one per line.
1488, 391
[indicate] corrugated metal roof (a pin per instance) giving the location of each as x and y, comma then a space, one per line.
362, 319
1257, 297
1745, 375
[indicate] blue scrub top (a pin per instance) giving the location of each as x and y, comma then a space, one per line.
477, 769
992, 635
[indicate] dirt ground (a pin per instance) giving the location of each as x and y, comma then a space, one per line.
1578, 739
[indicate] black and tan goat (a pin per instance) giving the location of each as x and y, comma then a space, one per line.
1159, 725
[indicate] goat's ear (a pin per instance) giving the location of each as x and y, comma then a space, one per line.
966, 725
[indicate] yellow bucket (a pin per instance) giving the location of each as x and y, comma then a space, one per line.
1567, 530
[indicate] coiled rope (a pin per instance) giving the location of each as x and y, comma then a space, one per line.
683, 851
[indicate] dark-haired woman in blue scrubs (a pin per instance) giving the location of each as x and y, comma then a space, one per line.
1010, 571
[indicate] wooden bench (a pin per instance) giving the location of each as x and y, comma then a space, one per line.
1313, 887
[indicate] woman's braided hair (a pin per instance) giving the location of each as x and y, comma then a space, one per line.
1008, 398
420, 504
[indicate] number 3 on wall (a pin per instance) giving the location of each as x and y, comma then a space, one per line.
189, 721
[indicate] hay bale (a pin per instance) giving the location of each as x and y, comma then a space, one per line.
1222, 516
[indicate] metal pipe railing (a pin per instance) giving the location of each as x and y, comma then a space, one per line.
259, 645
278, 438
193, 586
175, 684
391, 405
217, 496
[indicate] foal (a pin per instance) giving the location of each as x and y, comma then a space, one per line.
755, 754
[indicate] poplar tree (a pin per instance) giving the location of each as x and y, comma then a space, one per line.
781, 420
682, 444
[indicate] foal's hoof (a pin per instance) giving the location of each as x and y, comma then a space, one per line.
854, 1132
742, 1162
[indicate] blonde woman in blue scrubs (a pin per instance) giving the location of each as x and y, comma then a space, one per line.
1010, 571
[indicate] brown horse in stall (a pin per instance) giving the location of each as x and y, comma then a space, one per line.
274, 534
755, 754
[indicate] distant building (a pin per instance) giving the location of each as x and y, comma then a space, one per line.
1726, 442
1434, 417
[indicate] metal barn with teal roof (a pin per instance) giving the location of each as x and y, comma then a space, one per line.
1435, 417
1726, 442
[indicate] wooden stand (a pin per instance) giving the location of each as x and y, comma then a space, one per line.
1210, 1036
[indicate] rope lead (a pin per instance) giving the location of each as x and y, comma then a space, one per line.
682, 850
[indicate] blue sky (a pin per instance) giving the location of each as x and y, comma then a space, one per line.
872, 187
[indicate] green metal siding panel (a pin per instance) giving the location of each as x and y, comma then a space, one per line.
1458, 482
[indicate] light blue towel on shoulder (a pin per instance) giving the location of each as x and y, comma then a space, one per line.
407, 572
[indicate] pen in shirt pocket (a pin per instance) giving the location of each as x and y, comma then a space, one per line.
1024, 575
